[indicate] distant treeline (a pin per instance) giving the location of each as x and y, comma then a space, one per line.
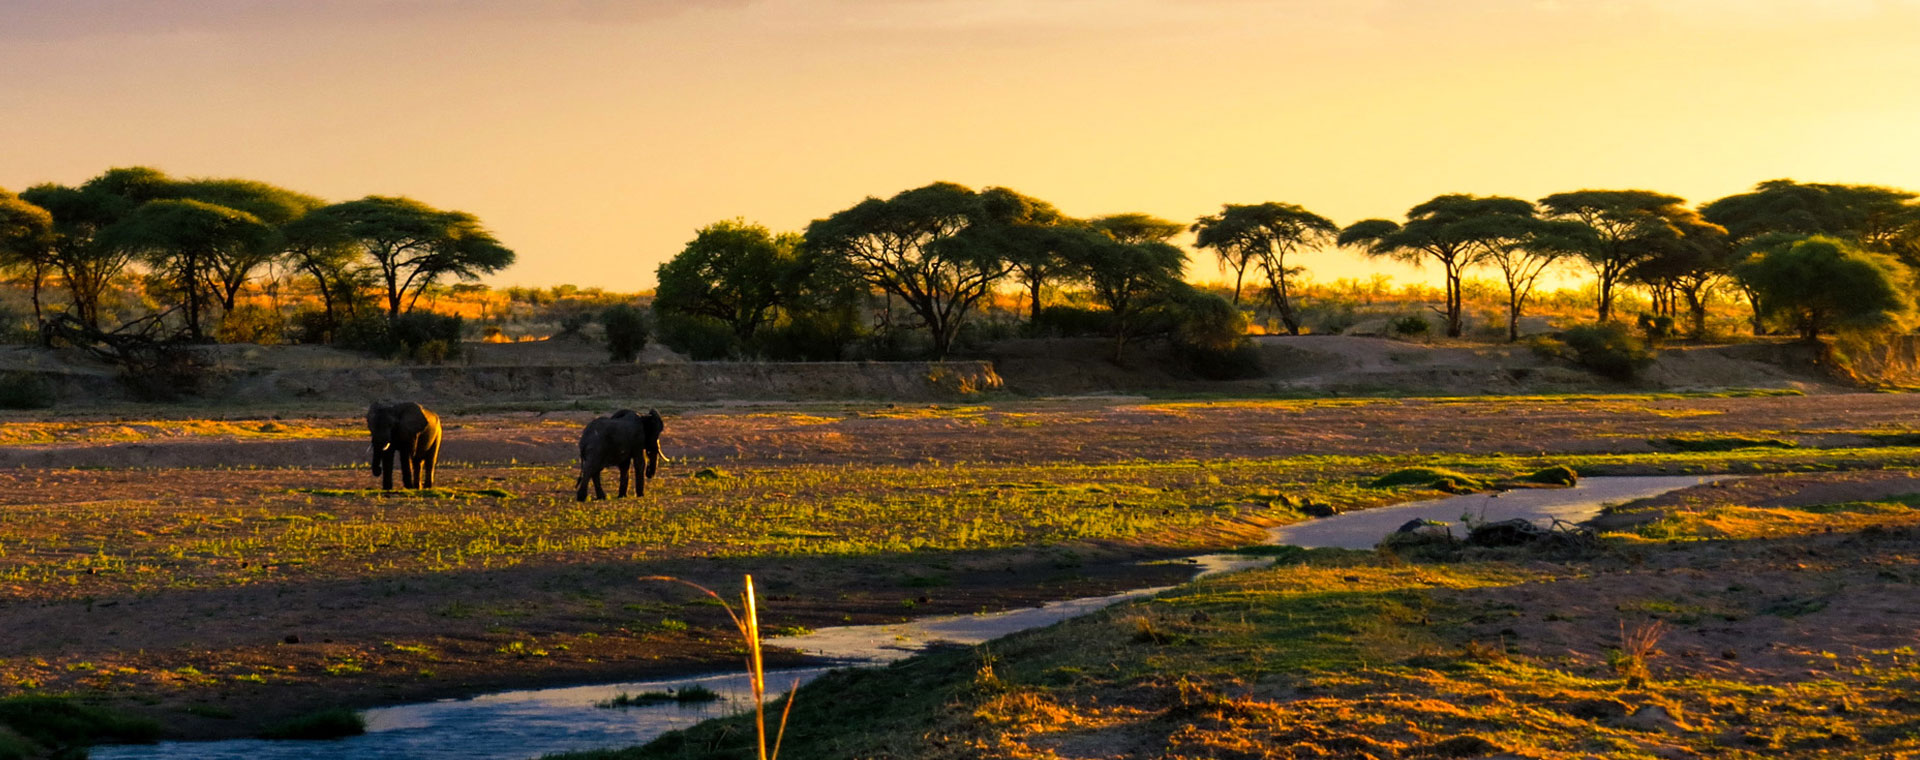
1807, 258
172, 260
191, 260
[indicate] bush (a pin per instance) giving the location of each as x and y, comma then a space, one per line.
25, 390
1210, 338
1409, 326
1655, 329
1063, 321
420, 336
252, 324
626, 332
1608, 350
814, 337
699, 338
311, 327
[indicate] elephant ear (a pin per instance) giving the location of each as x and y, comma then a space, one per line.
654, 424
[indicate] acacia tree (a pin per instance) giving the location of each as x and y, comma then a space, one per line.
182, 239
1133, 229
26, 242
1691, 265
229, 269
1628, 226
411, 245
1523, 249
1125, 277
80, 214
916, 247
1875, 218
736, 273
1457, 231
1821, 284
1264, 234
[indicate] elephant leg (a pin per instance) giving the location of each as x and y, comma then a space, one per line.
640, 475
409, 472
428, 464
623, 480
386, 470
598, 492
580, 486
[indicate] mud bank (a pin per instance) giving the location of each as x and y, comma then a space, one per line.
685, 381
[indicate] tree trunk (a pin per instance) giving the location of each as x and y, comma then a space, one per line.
1454, 321
1281, 303
1697, 312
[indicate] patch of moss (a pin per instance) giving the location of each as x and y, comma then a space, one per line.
1430, 477
1557, 475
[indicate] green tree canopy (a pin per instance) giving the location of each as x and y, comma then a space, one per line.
1126, 277
738, 274
1455, 231
80, 214
411, 245
1264, 235
182, 240
26, 242
1627, 227
1137, 228
1877, 218
1823, 284
913, 247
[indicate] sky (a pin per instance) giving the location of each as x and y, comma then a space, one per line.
594, 136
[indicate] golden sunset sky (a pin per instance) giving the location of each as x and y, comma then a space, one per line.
595, 136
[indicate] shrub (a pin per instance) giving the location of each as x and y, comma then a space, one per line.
1608, 350
310, 326
1062, 321
1210, 338
626, 332
25, 390
1655, 329
421, 336
1408, 326
699, 338
252, 324
811, 337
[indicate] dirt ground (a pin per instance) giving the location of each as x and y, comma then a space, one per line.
236, 630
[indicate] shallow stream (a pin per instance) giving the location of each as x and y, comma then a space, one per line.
531, 723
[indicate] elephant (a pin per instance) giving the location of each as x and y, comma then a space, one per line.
620, 440
412, 431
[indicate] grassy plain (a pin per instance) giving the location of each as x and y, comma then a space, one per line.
243, 574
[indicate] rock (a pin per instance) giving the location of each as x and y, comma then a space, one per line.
1513, 532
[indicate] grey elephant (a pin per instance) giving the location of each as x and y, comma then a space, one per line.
621, 440
413, 432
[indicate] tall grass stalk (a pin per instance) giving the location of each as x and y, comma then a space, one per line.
748, 624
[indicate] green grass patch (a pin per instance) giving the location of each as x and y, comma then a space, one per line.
1436, 478
1557, 475
1719, 443
331, 723
62, 725
406, 493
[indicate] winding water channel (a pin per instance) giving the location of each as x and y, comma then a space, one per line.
527, 724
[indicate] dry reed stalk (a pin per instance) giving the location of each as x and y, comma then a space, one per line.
749, 627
